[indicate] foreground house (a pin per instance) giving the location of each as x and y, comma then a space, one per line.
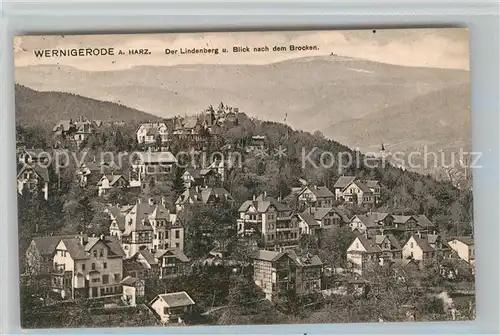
316, 196
132, 288
279, 273
172, 307
88, 266
269, 218
34, 178
366, 251
464, 247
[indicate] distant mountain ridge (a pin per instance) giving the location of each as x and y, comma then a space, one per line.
34, 108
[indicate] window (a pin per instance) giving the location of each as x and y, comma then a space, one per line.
101, 253
93, 266
177, 245
105, 265
165, 310
105, 279
95, 280
95, 253
411, 245
176, 234
83, 267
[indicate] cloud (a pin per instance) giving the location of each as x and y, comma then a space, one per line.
441, 48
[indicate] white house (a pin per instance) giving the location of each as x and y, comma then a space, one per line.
464, 247
171, 307
109, 182
147, 133
423, 247
34, 178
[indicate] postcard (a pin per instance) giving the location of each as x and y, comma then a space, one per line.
244, 178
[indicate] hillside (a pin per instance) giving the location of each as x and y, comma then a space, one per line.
34, 108
440, 118
311, 93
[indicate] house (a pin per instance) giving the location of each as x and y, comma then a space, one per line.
142, 265
371, 222
39, 255
64, 128
340, 185
367, 250
358, 193
172, 263
111, 182
269, 218
312, 220
206, 195
316, 196
151, 226
199, 177
425, 247
131, 289
90, 173
83, 130
147, 164
172, 307
117, 215
307, 224
88, 266
410, 224
33, 178
374, 186
148, 133
464, 247
279, 273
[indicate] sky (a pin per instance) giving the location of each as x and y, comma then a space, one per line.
435, 48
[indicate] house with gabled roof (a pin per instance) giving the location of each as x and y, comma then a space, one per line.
464, 247
172, 263
278, 273
148, 132
204, 195
425, 247
88, 266
33, 178
172, 307
151, 226
374, 186
269, 218
368, 250
316, 196
371, 222
110, 182
142, 265
147, 164
199, 177
40, 253
340, 185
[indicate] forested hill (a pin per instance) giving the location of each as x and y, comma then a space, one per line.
46, 108
404, 192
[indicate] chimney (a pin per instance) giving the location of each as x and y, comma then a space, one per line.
102, 237
254, 197
151, 201
139, 200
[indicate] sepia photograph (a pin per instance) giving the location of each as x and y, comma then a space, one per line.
244, 178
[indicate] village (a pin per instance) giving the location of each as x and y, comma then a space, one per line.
315, 242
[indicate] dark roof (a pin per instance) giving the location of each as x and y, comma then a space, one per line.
266, 255
309, 219
79, 251
371, 183
402, 219
173, 252
47, 245
262, 204
343, 181
362, 186
319, 191
272, 256
467, 240
129, 281
41, 171
321, 212
372, 219
423, 221
176, 299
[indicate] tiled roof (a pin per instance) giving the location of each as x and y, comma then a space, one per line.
467, 240
262, 204
177, 299
309, 219
343, 181
47, 245
321, 212
319, 191
161, 253
137, 219
266, 255
372, 219
129, 281
401, 219
362, 186
371, 183
423, 221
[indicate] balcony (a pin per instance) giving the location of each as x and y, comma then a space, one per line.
284, 218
